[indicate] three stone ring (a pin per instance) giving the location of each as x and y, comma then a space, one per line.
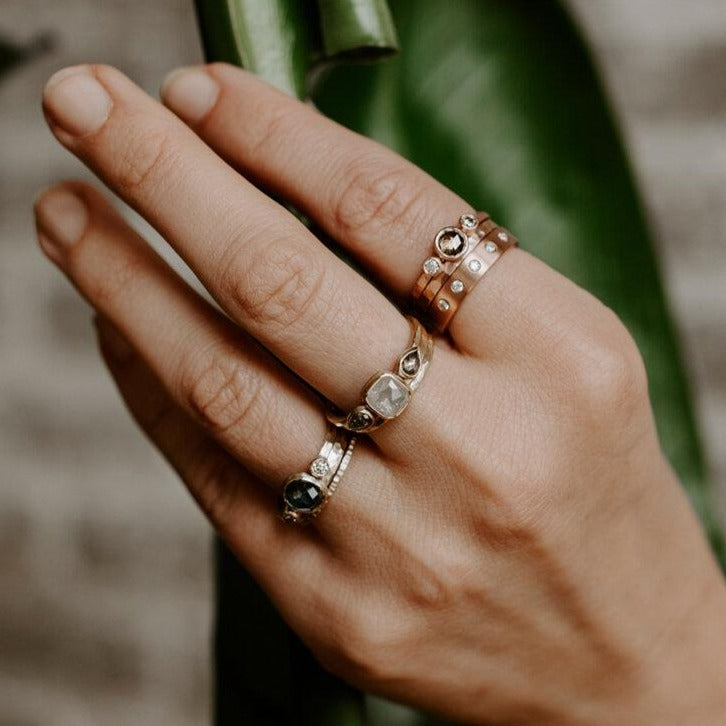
387, 394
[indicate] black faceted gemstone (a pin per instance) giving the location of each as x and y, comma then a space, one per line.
359, 420
303, 495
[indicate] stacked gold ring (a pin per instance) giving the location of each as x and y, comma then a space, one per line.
305, 494
462, 256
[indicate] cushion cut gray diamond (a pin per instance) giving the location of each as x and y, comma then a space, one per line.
388, 396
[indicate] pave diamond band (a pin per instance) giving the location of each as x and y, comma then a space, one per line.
305, 494
387, 394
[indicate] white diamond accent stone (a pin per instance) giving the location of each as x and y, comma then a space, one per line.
490, 247
444, 305
320, 467
388, 396
431, 266
468, 221
457, 286
503, 236
474, 265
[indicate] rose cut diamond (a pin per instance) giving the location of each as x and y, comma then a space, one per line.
388, 396
360, 419
303, 495
450, 243
410, 363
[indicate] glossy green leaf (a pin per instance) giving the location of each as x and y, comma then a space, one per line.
499, 101
283, 40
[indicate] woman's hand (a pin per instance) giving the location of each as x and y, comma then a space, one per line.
514, 548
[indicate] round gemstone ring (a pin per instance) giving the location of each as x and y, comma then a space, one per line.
386, 395
306, 493
451, 244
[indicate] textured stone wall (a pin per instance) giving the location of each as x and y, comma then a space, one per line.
105, 578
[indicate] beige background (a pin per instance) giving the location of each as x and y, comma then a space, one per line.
105, 579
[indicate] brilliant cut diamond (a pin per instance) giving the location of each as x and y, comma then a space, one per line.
320, 467
474, 265
431, 266
490, 247
457, 286
388, 396
503, 236
468, 221
444, 305
360, 419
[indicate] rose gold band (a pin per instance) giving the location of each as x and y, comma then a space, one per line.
446, 280
437, 268
467, 274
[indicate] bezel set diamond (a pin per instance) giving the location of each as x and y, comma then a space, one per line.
306, 493
387, 394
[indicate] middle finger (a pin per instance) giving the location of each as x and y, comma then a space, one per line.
264, 268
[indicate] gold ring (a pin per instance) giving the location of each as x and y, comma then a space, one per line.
305, 494
387, 394
443, 284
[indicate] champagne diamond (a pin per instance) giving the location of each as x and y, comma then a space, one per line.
450, 243
388, 396
410, 363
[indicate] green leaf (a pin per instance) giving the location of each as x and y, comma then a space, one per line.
500, 102
284, 40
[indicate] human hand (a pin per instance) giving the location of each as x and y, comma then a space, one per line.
514, 548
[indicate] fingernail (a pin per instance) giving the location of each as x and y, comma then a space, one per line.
61, 218
76, 101
190, 93
112, 341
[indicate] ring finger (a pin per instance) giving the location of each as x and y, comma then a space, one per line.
307, 307
384, 209
246, 399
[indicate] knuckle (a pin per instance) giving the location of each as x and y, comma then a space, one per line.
275, 289
225, 394
377, 197
364, 646
148, 153
606, 371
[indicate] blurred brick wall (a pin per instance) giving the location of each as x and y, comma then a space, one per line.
105, 578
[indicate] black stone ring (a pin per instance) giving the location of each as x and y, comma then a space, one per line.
305, 494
